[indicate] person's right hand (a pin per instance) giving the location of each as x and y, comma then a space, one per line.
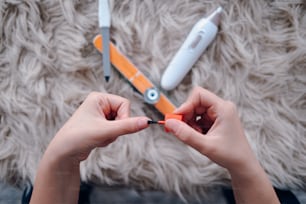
212, 126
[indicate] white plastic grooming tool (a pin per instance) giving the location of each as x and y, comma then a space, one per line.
201, 35
104, 24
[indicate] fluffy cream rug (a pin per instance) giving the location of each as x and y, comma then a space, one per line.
258, 60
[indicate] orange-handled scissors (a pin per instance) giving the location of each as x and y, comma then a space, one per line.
151, 94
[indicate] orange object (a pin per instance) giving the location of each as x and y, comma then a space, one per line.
167, 116
172, 116
135, 77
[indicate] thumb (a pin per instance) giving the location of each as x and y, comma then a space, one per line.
186, 134
124, 126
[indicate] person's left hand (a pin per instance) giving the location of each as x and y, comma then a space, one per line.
99, 121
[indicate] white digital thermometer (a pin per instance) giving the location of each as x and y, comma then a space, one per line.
201, 35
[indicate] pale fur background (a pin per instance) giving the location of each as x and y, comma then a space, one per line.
49, 65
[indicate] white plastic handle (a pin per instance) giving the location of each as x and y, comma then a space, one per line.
197, 41
104, 13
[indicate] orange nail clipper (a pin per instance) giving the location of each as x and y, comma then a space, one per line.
151, 94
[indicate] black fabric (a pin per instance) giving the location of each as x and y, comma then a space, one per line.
85, 191
284, 196
27, 193
84, 194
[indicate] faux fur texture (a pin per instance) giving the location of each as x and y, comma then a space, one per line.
49, 65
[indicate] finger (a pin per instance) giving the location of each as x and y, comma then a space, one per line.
121, 106
188, 112
201, 97
124, 126
115, 105
187, 134
199, 102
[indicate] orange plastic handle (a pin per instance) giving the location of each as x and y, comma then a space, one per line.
134, 75
173, 116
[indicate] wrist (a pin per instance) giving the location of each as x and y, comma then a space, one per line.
245, 162
62, 150
57, 179
246, 171
252, 185
59, 159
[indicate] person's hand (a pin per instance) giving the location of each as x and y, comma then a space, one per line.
99, 121
212, 126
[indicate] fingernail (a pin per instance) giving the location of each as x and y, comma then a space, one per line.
142, 122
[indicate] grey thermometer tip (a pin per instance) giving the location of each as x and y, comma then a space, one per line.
106, 78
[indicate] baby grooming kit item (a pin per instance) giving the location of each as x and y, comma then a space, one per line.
151, 94
201, 35
104, 24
